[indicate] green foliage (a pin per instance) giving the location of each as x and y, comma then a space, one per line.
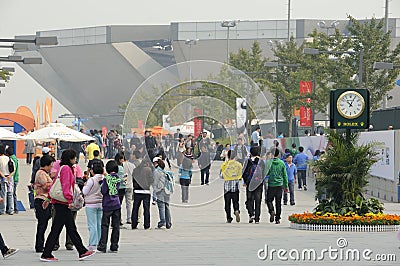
343, 174
4, 75
360, 206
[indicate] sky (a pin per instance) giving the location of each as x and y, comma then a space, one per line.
25, 17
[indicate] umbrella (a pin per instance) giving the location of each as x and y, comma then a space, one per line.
8, 135
58, 131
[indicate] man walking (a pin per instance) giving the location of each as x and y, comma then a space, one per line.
277, 178
255, 137
300, 160
291, 171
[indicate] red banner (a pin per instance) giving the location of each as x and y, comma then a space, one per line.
140, 123
198, 121
306, 112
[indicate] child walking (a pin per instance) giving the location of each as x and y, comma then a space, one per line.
111, 208
93, 204
185, 177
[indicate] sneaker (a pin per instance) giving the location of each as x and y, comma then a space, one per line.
10, 252
160, 227
300, 188
154, 203
285, 203
101, 250
257, 222
56, 247
305, 188
129, 222
39, 250
48, 259
113, 251
88, 254
237, 215
292, 203
93, 248
277, 222
229, 220
69, 247
272, 217
251, 219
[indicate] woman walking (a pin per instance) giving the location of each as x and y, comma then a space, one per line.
93, 200
63, 215
42, 186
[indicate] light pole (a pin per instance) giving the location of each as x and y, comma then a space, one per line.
323, 25
313, 51
386, 66
52, 40
228, 24
190, 43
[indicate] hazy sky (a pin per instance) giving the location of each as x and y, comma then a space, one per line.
19, 17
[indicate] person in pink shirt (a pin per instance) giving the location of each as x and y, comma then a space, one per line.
63, 212
78, 173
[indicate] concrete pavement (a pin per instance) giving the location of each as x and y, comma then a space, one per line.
200, 234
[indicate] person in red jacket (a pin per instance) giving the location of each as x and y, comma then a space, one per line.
63, 214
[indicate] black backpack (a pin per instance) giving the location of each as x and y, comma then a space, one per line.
10, 165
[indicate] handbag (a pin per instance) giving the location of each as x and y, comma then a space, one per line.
77, 200
56, 191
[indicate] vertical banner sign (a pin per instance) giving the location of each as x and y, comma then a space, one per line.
241, 115
198, 121
104, 132
165, 119
306, 112
140, 123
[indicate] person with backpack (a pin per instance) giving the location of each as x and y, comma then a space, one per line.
253, 177
231, 171
93, 204
163, 189
111, 208
277, 179
185, 177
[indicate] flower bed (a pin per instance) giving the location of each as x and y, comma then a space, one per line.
349, 222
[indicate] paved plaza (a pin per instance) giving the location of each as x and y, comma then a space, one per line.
199, 234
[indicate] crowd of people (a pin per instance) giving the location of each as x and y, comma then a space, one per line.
140, 174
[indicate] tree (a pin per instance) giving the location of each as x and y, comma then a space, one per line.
343, 175
4, 75
370, 37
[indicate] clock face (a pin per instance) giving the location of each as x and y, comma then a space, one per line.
350, 104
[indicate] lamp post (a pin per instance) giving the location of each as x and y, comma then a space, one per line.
228, 24
52, 40
313, 51
323, 25
386, 66
276, 65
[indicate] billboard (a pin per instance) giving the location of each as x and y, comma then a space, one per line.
306, 112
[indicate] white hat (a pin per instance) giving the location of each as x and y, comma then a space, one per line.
155, 159
45, 150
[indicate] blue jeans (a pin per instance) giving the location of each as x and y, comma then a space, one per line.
291, 192
4, 196
163, 211
93, 216
15, 196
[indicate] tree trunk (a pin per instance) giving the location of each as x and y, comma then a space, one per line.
290, 126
